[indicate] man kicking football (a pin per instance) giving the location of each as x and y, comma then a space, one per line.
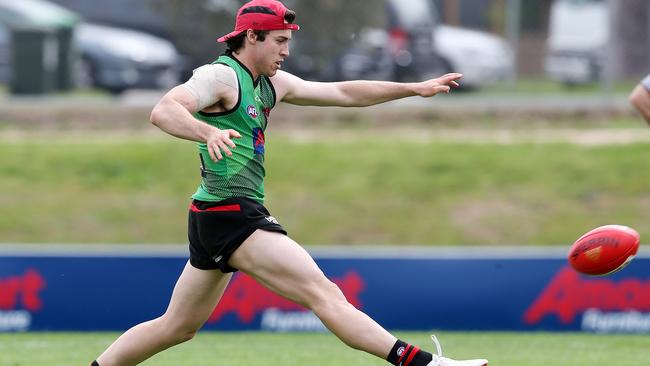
225, 107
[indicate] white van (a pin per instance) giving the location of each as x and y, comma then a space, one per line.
577, 42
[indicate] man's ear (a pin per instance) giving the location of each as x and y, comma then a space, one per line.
251, 37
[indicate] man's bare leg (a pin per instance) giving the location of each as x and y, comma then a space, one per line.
283, 266
194, 298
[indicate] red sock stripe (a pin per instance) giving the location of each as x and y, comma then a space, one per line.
406, 351
227, 208
410, 358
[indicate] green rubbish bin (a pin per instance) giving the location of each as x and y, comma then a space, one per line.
43, 52
35, 61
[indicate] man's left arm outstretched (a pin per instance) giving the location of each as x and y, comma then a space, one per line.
357, 93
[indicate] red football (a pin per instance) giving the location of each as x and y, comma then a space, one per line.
604, 250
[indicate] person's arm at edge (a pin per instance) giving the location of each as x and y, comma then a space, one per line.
173, 115
356, 93
640, 99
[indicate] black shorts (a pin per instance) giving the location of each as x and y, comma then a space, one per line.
217, 229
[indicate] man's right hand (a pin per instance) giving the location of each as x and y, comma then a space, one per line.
221, 141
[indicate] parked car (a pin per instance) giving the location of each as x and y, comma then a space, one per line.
118, 59
402, 51
415, 46
483, 58
577, 41
411, 42
369, 58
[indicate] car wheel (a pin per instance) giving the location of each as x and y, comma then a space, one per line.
116, 90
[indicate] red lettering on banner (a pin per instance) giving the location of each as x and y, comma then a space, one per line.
9, 289
246, 298
27, 288
569, 294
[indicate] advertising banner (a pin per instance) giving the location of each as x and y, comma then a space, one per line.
426, 291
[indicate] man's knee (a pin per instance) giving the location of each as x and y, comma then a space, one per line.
175, 337
185, 336
179, 331
327, 295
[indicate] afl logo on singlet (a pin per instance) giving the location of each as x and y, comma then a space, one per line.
252, 111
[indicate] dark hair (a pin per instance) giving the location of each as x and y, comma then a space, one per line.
237, 42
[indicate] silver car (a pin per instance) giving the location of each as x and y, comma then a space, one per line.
483, 58
118, 59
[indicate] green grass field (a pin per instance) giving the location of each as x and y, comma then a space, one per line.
255, 349
361, 190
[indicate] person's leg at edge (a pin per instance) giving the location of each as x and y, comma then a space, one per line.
283, 266
194, 298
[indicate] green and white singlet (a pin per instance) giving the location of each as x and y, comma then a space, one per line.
242, 174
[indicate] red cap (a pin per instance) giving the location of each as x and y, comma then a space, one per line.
260, 15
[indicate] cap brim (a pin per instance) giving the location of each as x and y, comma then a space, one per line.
228, 36
236, 32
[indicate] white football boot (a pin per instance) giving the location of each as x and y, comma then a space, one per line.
438, 360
